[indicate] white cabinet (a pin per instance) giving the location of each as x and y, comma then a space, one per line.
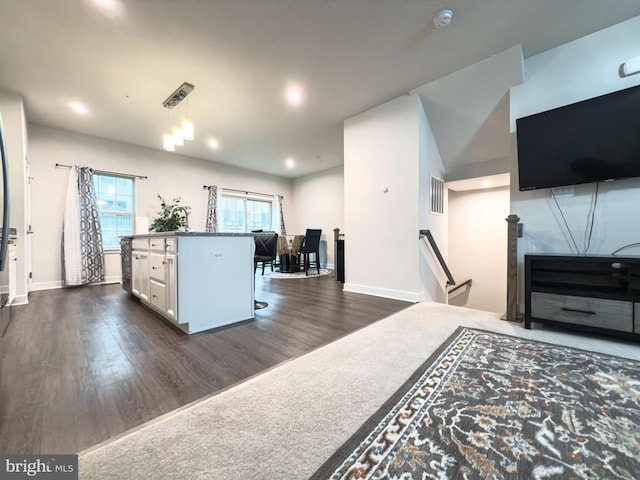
140, 274
171, 284
158, 295
158, 275
197, 281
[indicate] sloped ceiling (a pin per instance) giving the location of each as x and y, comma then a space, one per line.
468, 112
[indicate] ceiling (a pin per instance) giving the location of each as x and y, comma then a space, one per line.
122, 58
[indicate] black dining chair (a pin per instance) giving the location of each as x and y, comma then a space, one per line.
266, 249
311, 245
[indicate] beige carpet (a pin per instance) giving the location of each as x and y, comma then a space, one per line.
285, 423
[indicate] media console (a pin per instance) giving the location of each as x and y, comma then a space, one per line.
594, 293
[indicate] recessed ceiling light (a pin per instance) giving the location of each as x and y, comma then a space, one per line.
213, 144
295, 95
290, 163
486, 184
110, 8
79, 108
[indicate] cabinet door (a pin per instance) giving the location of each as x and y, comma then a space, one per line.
172, 283
158, 295
140, 275
157, 267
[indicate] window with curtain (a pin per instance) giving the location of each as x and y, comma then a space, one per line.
243, 213
114, 196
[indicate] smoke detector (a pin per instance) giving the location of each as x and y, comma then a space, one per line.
443, 18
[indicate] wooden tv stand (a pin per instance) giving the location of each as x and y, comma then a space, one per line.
593, 293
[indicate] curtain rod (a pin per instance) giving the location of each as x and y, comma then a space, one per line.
241, 191
143, 177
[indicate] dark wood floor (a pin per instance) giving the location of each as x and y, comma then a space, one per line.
82, 365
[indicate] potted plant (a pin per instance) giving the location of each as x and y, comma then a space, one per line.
169, 219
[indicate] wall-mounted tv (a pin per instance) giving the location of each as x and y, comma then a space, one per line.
590, 141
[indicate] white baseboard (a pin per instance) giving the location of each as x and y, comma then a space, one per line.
20, 300
414, 297
58, 284
35, 286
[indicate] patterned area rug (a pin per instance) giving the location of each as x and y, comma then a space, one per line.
492, 406
298, 275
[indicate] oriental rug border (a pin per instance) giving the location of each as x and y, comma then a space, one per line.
489, 405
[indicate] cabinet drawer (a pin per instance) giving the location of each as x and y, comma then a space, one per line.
157, 267
593, 312
140, 244
158, 295
156, 244
171, 244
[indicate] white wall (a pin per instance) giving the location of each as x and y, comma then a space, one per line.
319, 203
432, 276
169, 175
12, 109
478, 247
389, 147
576, 71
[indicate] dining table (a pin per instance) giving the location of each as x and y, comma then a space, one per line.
289, 252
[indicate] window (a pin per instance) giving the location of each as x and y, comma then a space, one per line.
114, 196
241, 214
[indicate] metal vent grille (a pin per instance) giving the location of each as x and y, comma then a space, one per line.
437, 196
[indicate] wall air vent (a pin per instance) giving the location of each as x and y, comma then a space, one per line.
437, 196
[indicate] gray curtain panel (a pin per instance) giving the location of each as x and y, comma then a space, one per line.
82, 252
212, 210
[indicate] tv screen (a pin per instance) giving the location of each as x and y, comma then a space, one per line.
590, 141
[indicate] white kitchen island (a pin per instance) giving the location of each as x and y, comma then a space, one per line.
196, 280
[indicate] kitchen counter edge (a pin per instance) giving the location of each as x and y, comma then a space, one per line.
188, 234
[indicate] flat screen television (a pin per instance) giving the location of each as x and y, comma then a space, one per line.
593, 140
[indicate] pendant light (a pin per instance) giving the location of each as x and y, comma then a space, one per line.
178, 133
168, 143
188, 128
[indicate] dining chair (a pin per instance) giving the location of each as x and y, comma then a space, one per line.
311, 245
266, 249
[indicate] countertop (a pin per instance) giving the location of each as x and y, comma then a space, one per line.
189, 234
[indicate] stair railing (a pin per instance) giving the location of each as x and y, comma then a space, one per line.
443, 264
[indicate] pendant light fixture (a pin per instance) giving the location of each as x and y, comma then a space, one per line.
178, 134
188, 128
168, 143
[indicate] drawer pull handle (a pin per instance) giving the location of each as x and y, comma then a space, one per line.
590, 312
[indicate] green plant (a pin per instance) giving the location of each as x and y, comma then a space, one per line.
166, 221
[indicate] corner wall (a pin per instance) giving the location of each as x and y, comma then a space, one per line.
389, 153
478, 247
